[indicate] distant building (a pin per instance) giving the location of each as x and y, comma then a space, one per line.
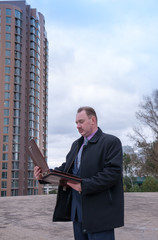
23, 95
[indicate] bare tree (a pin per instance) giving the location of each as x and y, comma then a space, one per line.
148, 143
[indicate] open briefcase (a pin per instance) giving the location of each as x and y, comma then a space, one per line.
54, 177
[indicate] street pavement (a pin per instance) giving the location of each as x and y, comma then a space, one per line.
30, 218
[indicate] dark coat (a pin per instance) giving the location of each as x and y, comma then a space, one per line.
102, 187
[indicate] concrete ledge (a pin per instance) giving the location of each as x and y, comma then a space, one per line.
30, 217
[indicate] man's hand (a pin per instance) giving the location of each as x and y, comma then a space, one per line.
37, 173
75, 186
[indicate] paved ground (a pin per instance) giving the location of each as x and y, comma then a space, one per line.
30, 218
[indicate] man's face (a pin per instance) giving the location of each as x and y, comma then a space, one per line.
85, 124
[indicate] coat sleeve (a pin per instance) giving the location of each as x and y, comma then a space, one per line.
112, 171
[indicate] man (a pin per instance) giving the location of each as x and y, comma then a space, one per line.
97, 205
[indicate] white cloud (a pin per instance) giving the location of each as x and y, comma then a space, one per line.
108, 69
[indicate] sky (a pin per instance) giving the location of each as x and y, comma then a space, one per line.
103, 54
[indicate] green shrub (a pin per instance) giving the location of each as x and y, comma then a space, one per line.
150, 185
135, 188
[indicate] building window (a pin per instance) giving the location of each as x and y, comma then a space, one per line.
6, 95
15, 174
4, 175
32, 76
8, 19
32, 84
17, 79
7, 85
32, 68
18, 39
30, 192
5, 147
16, 139
32, 100
33, 22
17, 96
37, 87
7, 70
7, 78
37, 102
3, 193
16, 130
7, 61
31, 124
38, 33
16, 104
6, 121
18, 30
8, 11
30, 174
5, 138
7, 53
18, 22
33, 30
8, 44
18, 14
37, 125
15, 156
6, 112
15, 165
8, 28
31, 133
5, 130
18, 55
38, 56
17, 46
32, 45
31, 116
32, 37
36, 191
30, 183
17, 88
4, 184
6, 103
17, 71
8, 36
16, 147
4, 165
38, 79
38, 25
32, 53
15, 192
16, 121
18, 63
32, 92
16, 113
5, 156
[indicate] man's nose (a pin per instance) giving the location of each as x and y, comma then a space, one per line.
78, 125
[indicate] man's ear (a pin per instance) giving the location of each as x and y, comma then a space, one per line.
93, 120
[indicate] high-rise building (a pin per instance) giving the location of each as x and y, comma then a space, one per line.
23, 95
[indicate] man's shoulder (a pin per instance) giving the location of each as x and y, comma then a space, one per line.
110, 137
77, 141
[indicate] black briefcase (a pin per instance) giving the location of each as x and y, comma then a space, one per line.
62, 211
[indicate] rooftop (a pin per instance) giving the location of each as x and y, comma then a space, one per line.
30, 218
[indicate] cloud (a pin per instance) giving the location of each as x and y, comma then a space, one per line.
103, 70
102, 54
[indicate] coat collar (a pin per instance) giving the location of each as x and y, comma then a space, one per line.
93, 139
96, 136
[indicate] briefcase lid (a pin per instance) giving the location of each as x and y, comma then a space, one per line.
36, 156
